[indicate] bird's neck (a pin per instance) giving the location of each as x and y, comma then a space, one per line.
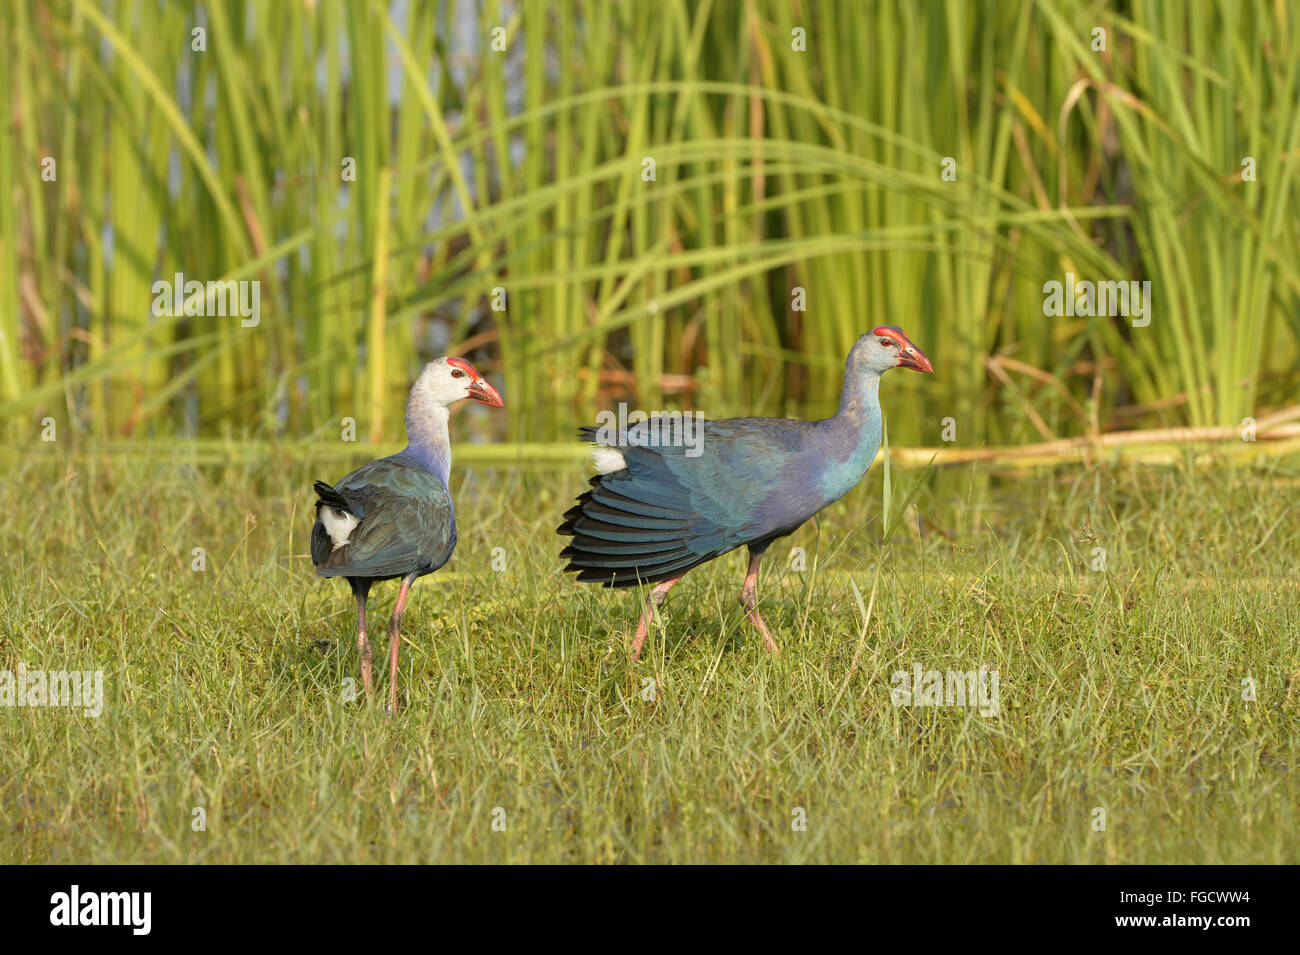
860, 399
855, 430
427, 440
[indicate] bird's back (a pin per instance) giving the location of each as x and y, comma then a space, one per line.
388, 518
753, 480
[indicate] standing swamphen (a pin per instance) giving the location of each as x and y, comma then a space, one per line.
653, 513
393, 517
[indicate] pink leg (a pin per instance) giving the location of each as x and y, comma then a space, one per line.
363, 648
656, 598
749, 600
395, 642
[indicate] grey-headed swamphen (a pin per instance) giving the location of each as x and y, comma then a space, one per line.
393, 517
654, 512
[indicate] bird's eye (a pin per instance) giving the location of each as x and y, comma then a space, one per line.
457, 373
886, 343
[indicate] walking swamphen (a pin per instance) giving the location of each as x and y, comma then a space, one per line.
393, 517
654, 512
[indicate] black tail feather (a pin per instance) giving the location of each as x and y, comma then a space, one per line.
329, 496
621, 542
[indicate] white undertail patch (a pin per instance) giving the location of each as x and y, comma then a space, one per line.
608, 460
338, 524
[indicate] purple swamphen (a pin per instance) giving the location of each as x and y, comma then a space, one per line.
393, 517
654, 512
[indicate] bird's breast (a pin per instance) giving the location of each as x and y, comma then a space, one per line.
843, 473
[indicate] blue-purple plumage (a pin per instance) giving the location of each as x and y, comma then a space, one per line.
406, 524
752, 481
393, 517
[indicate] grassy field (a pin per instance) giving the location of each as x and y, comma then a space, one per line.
226, 689
678, 205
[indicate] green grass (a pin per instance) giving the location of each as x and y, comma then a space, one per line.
225, 688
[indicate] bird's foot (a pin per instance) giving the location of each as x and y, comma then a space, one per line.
366, 655
638, 642
766, 634
638, 639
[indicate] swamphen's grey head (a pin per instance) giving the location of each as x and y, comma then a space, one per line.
886, 347
445, 381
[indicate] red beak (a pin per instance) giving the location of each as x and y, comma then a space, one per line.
480, 390
912, 357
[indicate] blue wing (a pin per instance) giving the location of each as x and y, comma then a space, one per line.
668, 511
404, 522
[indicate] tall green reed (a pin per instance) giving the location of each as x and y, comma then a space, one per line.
383, 171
